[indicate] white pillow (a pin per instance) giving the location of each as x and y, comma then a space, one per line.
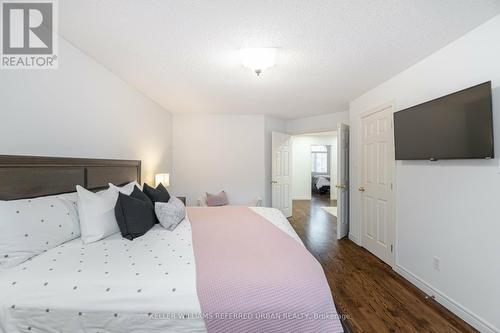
32, 226
72, 197
127, 189
97, 214
170, 213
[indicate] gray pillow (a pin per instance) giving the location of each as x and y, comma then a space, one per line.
170, 213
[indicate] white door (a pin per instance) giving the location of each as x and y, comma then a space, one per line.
377, 164
342, 181
281, 179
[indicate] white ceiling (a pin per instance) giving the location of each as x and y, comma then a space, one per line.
184, 54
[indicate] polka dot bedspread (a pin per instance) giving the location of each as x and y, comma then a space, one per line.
113, 285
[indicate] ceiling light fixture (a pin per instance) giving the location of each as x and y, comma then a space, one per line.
258, 59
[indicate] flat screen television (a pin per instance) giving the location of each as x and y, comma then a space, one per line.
456, 126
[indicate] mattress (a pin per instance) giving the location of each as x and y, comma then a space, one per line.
114, 285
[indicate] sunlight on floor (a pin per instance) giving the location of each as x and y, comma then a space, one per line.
330, 210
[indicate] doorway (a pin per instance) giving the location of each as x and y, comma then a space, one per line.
313, 168
314, 165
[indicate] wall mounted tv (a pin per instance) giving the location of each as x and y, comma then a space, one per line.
456, 126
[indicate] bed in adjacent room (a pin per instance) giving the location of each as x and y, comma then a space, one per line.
320, 184
183, 280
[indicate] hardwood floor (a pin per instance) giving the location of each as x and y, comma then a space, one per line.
368, 292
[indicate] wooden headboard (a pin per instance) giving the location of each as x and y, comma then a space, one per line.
32, 176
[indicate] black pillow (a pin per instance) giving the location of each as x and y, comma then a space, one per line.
158, 194
135, 217
138, 194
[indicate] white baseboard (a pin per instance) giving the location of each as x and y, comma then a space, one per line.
467, 315
354, 238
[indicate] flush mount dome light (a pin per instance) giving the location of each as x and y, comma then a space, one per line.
258, 59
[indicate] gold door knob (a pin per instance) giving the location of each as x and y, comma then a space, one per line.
361, 189
340, 186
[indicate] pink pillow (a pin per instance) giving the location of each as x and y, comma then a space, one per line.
217, 199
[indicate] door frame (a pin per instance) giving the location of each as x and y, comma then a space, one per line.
388, 105
313, 131
339, 179
303, 132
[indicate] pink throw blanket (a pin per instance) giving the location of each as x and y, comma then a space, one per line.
253, 277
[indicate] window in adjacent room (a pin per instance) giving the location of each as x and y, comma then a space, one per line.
319, 158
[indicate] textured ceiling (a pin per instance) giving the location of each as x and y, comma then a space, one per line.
184, 54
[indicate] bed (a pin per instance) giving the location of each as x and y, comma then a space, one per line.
320, 184
161, 282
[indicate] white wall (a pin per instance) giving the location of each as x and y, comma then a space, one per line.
321, 123
206, 136
301, 164
197, 138
448, 209
219, 152
81, 110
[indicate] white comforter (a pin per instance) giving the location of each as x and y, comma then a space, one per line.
114, 285
322, 181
